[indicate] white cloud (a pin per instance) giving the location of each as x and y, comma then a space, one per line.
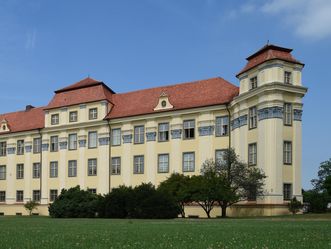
309, 18
31, 38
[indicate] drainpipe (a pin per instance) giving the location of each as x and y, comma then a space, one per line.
109, 149
227, 108
41, 163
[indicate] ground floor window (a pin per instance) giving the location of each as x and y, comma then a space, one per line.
52, 195
287, 191
36, 195
19, 196
2, 196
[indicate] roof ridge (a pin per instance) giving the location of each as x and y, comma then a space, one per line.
176, 84
24, 111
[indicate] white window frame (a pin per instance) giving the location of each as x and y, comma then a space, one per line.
36, 195
138, 164
93, 113
20, 147
19, 195
3, 172
72, 168
116, 137
36, 170
54, 144
20, 171
139, 134
72, 141
53, 194
288, 77
116, 165
189, 129
222, 126
53, 169
37, 145
287, 152
92, 139
163, 135
253, 82
92, 166
3, 148
73, 116
288, 114
252, 117
163, 163
188, 162
252, 154
55, 119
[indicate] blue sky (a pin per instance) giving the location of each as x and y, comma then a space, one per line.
129, 44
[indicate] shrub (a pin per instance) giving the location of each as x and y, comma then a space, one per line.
115, 204
74, 203
294, 206
30, 206
149, 203
317, 201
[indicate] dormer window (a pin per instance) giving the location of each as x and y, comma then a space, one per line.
4, 126
163, 102
73, 116
253, 83
93, 113
55, 119
287, 77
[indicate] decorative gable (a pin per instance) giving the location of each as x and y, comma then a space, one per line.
163, 103
4, 126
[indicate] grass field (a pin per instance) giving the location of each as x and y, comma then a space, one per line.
302, 231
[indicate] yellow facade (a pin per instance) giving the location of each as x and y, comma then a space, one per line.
269, 136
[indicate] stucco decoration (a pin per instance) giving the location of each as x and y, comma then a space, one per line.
163, 103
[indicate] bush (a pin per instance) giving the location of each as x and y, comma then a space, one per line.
317, 201
116, 203
294, 206
149, 203
74, 203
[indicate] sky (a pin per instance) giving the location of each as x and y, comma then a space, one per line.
46, 45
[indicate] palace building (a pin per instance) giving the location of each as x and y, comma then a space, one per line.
91, 136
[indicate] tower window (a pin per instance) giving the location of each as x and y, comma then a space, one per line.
287, 77
253, 83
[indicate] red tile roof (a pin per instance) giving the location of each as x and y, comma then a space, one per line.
201, 93
84, 91
32, 119
267, 53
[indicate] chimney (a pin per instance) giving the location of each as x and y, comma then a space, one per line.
29, 107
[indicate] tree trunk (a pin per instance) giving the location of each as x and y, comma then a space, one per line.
182, 210
224, 206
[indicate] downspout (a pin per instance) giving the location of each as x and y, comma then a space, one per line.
110, 163
227, 108
41, 163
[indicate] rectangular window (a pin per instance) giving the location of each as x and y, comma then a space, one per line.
252, 117
72, 141
55, 119
287, 152
93, 113
52, 195
92, 167
20, 147
287, 191
3, 148
189, 127
138, 165
36, 195
73, 116
116, 136
3, 172
54, 143
20, 171
19, 196
252, 154
36, 170
222, 126
36, 145
188, 162
2, 196
163, 163
53, 169
92, 139
287, 114
92, 190
253, 83
139, 134
116, 165
72, 168
287, 77
219, 155
163, 132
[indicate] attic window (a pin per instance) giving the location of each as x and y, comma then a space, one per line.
163, 102
3, 127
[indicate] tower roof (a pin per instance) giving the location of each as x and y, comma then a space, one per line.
267, 53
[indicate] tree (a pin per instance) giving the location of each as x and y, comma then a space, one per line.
294, 205
177, 186
327, 185
323, 172
237, 180
317, 200
30, 206
74, 203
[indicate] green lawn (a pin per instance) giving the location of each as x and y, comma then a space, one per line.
302, 231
